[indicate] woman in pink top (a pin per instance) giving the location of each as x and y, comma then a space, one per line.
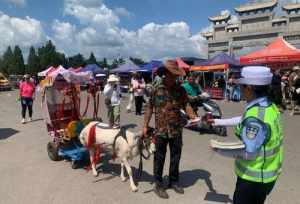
138, 85
27, 89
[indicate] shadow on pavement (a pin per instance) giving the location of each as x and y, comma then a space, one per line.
190, 177
217, 197
7, 132
114, 170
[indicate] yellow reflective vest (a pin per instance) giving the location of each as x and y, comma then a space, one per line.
267, 165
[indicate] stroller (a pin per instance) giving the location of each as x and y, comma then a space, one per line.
61, 112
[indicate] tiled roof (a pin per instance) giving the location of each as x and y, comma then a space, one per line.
256, 6
291, 6
220, 17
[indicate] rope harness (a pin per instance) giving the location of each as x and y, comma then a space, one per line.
143, 144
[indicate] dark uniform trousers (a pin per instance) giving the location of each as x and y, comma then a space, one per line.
175, 145
248, 192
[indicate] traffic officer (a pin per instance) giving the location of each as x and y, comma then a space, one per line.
166, 101
258, 163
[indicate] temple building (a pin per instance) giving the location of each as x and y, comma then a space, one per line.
255, 27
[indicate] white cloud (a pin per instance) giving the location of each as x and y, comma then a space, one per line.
85, 3
98, 15
20, 3
63, 31
23, 32
122, 12
234, 19
102, 34
152, 41
225, 12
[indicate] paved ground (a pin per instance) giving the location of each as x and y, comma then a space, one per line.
28, 176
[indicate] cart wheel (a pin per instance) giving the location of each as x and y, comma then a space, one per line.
222, 131
74, 165
52, 150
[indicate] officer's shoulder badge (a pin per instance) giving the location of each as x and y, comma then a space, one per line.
252, 131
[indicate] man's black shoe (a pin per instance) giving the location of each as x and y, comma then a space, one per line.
176, 188
160, 191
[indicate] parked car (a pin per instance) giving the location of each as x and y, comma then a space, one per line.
15, 80
4, 83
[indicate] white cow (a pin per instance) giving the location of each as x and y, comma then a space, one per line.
125, 148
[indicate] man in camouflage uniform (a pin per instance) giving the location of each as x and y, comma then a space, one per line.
166, 100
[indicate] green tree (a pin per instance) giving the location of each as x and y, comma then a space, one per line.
1, 64
7, 60
18, 62
103, 64
92, 59
59, 59
117, 62
137, 61
48, 55
121, 61
114, 64
77, 61
33, 62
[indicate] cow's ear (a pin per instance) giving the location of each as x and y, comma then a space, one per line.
139, 133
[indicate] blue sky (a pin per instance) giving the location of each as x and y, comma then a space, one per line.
140, 28
194, 12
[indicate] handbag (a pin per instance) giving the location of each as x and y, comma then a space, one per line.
107, 101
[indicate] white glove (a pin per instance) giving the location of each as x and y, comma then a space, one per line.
193, 122
152, 148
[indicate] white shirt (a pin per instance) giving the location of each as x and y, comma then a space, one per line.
236, 120
113, 94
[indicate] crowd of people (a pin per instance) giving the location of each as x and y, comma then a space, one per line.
258, 161
285, 89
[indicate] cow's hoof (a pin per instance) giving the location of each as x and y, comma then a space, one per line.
95, 174
123, 179
135, 189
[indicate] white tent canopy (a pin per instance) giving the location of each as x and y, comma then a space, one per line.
44, 73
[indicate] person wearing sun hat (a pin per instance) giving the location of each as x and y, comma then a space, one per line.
112, 94
166, 101
259, 157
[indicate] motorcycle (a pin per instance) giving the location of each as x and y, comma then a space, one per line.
212, 111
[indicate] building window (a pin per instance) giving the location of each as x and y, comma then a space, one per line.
220, 44
296, 19
255, 37
292, 37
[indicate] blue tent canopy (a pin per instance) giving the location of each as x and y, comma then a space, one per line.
221, 58
93, 68
151, 66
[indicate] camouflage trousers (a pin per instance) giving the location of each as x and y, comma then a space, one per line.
113, 114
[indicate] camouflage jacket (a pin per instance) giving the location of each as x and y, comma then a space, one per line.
166, 105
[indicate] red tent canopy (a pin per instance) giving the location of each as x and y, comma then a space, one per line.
182, 64
277, 52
